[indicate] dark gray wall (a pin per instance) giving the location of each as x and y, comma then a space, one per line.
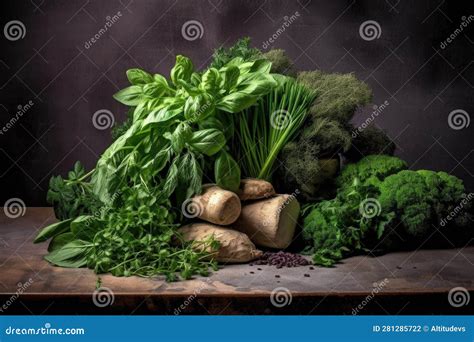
68, 83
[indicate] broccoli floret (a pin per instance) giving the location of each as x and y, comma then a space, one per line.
281, 63
422, 198
371, 169
407, 194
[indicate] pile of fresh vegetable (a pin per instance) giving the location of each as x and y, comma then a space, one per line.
248, 114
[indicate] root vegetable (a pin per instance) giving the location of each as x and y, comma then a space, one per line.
253, 188
270, 222
215, 205
234, 246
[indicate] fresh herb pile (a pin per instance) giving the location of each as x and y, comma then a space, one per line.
248, 114
382, 206
121, 216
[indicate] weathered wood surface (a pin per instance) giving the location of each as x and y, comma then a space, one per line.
413, 282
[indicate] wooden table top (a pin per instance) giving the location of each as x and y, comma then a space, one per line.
407, 282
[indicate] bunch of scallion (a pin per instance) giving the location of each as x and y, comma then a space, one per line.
264, 129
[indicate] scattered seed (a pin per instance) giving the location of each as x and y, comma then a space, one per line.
282, 259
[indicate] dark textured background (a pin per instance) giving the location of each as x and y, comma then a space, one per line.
69, 83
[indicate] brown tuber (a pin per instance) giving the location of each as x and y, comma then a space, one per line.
253, 188
234, 246
214, 205
270, 222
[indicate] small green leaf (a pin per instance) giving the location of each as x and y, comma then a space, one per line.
171, 181
182, 69
138, 76
52, 230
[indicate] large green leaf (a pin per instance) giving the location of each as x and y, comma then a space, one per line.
207, 141
52, 230
72, 254
130, 96
227, 172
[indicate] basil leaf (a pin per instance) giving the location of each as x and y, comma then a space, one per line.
182, 69
198, 108
207, 141
139, 76
179, 137
60, 240
229, 77
72, 254
130, 96
236, 102
153, 90
85, 227
171, 180
227, 172
52, 230
211, 81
